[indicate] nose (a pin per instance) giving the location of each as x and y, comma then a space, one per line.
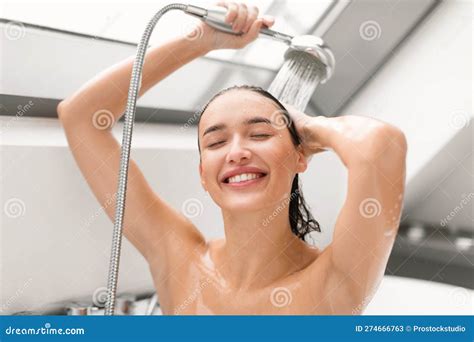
237, 152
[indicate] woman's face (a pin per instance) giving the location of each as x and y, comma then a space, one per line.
243, 129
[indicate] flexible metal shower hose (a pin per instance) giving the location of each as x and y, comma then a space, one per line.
125, 156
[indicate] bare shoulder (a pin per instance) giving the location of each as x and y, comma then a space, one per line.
302, 255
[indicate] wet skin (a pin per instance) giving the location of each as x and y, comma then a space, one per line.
256, 269
297, 278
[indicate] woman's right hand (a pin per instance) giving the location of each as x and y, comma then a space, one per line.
243, 19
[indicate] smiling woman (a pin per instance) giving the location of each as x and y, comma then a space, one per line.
251, 152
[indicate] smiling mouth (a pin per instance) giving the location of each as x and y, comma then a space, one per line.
243, 179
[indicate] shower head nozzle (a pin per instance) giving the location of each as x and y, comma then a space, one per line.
316, 48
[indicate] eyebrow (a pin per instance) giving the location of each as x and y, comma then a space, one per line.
251, 121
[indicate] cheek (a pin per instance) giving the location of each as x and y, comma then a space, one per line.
210, 167
282, 159
280, 152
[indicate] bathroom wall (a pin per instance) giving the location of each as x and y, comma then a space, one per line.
426, 90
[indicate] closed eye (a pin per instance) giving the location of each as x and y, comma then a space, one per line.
253, 136
216, 143
261, 135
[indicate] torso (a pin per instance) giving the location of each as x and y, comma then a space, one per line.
196, 288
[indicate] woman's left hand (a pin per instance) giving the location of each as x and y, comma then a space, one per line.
306, 129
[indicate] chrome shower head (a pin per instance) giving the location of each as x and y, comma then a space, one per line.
315, 48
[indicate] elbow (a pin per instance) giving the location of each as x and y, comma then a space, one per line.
60, 109
389, 135
388, 141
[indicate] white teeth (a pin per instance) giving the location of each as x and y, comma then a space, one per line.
244, 177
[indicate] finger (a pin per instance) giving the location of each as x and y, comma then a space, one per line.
241, 18
254, 30
268, 20
251, 17
232, 11
226, 5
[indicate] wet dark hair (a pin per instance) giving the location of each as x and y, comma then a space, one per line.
301, 219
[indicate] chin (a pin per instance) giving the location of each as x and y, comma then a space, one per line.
243, 202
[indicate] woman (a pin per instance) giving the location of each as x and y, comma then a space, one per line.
263, 266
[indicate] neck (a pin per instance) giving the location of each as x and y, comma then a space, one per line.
256, 246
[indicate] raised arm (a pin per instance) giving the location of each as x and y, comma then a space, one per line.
374, 153
87, 116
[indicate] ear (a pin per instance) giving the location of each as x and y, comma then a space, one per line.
203, 183
302, 160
